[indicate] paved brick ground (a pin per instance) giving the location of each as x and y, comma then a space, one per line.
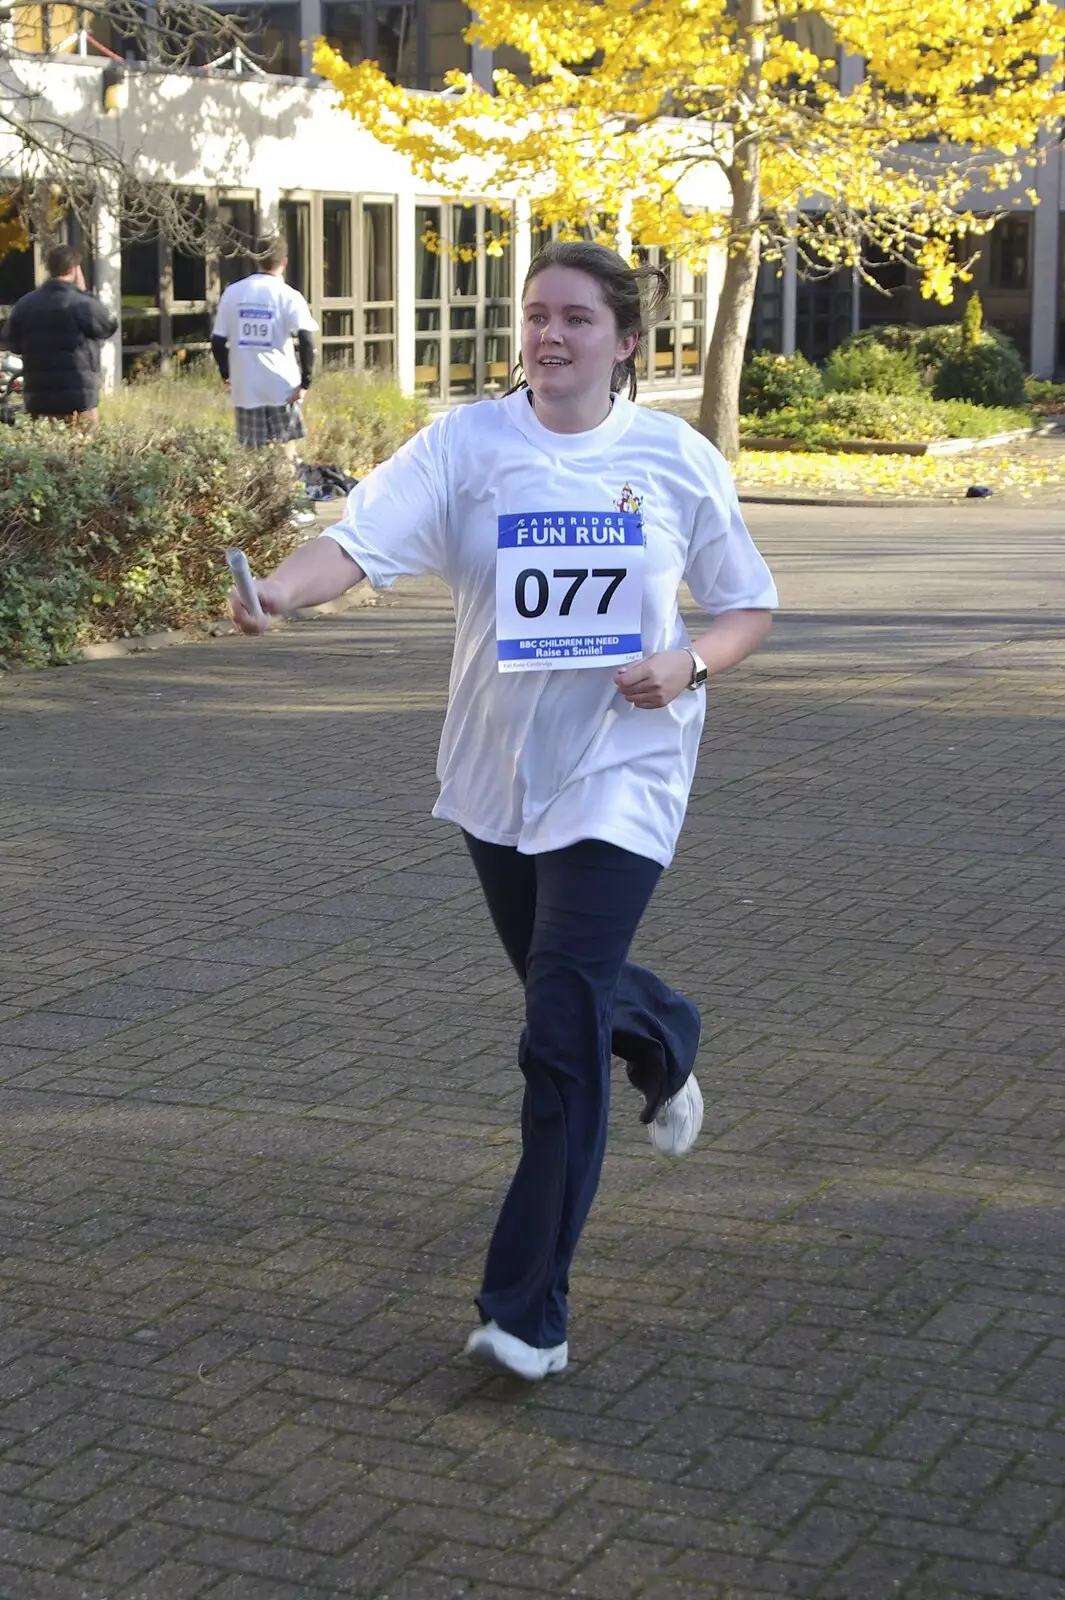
257, 1106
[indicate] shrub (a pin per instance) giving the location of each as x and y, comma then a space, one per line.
848, 418
928, 348
186, 396
840, 418
881, 416
1045, 396
124, 530
869, 367
990, 373
963, 420
355, 420
771, 382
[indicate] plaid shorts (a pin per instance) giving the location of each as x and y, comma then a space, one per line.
262, 425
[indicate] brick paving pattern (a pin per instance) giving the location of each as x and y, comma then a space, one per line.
258, 1104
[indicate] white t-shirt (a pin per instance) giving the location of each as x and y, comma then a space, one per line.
258, 317
542, 759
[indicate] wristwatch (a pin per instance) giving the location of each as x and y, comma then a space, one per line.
699, 673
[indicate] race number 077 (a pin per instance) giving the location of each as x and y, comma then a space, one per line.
578, 575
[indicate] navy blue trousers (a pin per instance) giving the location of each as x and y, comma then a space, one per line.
566, 919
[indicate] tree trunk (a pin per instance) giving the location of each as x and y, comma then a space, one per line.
719, 413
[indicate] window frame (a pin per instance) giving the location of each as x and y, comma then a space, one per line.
167, 307
486, 378
356, 303
649, 369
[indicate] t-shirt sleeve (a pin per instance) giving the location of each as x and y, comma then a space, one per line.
395, 522
301, 316
725, 570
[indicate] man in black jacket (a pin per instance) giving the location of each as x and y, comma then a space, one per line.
57, 330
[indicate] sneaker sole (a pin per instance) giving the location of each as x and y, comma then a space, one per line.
484, 1356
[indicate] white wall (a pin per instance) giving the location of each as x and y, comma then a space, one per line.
270, 134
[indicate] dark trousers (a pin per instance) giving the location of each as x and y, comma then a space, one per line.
566, 919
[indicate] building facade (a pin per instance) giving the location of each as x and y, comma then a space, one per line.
255, 145
1020, 273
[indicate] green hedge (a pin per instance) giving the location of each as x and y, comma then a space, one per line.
124, 530
848, 418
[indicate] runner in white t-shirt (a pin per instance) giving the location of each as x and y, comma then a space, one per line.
252, 344
564, 519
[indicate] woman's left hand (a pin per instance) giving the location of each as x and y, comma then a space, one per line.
656, 680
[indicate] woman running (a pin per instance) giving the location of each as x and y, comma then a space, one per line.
564, 518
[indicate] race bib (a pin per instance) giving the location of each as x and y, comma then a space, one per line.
569, 589
255, 327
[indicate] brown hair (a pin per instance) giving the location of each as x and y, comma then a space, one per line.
633, 294
271, 254
61, 259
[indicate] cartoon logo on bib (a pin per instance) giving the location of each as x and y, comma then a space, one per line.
630, 500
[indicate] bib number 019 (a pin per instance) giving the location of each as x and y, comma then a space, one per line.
577, 576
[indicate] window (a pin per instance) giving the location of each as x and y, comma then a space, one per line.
271, 36
143, 262
383, 32
17, 275
598, 229
766, 331
464, 300
294, 221
169, 290
1010, 254
341, 257
236, 221
823, 313
189, 266
336, 249
379, 285
676, 344
887, 298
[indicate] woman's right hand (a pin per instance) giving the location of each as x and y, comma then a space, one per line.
272, 598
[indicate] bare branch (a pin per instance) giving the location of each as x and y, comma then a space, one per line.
58, 169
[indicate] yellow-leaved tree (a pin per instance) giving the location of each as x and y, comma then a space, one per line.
630, 107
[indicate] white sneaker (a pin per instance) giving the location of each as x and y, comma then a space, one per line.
676, 1126
502, 1352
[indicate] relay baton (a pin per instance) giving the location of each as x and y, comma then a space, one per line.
237, 562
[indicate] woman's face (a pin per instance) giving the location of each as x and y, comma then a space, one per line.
569, 336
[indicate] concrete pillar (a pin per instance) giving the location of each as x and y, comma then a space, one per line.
1046, 263
851, 72
789, 299
406, 288
311, 26
482, 62
269, 209
108, 279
